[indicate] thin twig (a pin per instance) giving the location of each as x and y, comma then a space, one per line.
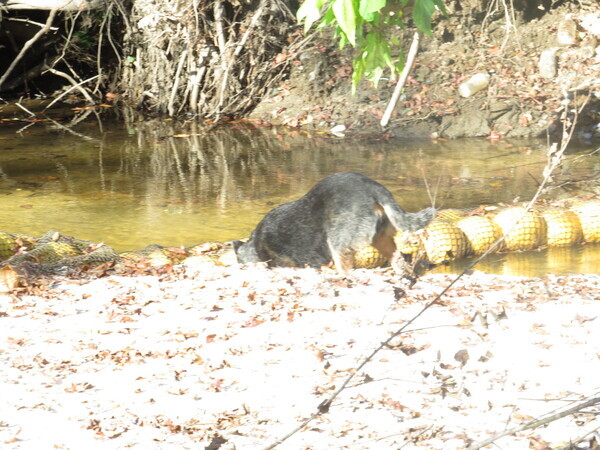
510, 23
170, 106
398, 89
580, 439
75, 85
242, 42
432, 197
67, 39
99, 50
109, 36
237, 51
196, 17
326, 404
25, 109
28, 44
29, 21
75, 133
265, 85
195, 82
22, 129
536, 423
124, 17
106, 21
81, 116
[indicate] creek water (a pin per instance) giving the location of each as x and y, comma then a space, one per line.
157, 182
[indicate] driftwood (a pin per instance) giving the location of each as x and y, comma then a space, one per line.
60, 5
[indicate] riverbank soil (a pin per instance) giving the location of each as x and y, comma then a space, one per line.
236, 358
227, 60
523, 98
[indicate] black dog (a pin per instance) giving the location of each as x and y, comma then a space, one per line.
338, 216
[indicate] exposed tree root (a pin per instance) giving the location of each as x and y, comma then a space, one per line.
213, 59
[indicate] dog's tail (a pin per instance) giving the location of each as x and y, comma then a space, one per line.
402, 220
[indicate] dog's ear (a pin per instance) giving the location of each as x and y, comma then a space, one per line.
237, 244
245, 252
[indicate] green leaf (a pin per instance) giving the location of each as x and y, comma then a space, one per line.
376, 56
441, 6
342, 37
358, 70
309, 12
328, 18
346, 18
377, 20
367, 8
422, 15
401, 60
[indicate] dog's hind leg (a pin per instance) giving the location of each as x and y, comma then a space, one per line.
342, 258
346, 240
384, 241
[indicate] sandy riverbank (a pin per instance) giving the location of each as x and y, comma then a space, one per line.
237, 357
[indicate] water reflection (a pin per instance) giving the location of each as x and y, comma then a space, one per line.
558, 261
159, 182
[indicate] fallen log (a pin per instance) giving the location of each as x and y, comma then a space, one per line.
60, 5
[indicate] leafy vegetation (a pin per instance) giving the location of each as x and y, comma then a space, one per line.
365, 24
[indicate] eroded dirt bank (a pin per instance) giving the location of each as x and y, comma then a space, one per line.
521, 100
236, 357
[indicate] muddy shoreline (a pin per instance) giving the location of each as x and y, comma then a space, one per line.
520, 101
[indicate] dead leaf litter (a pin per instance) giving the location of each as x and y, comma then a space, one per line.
237, 357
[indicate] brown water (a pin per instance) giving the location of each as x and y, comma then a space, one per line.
157, 182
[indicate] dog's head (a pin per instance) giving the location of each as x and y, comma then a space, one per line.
245, 252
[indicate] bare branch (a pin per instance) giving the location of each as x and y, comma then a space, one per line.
75, 86
238, 49
28, 44
170, 106
24, 109
398, 89
537, 423
554, 161
29, 22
